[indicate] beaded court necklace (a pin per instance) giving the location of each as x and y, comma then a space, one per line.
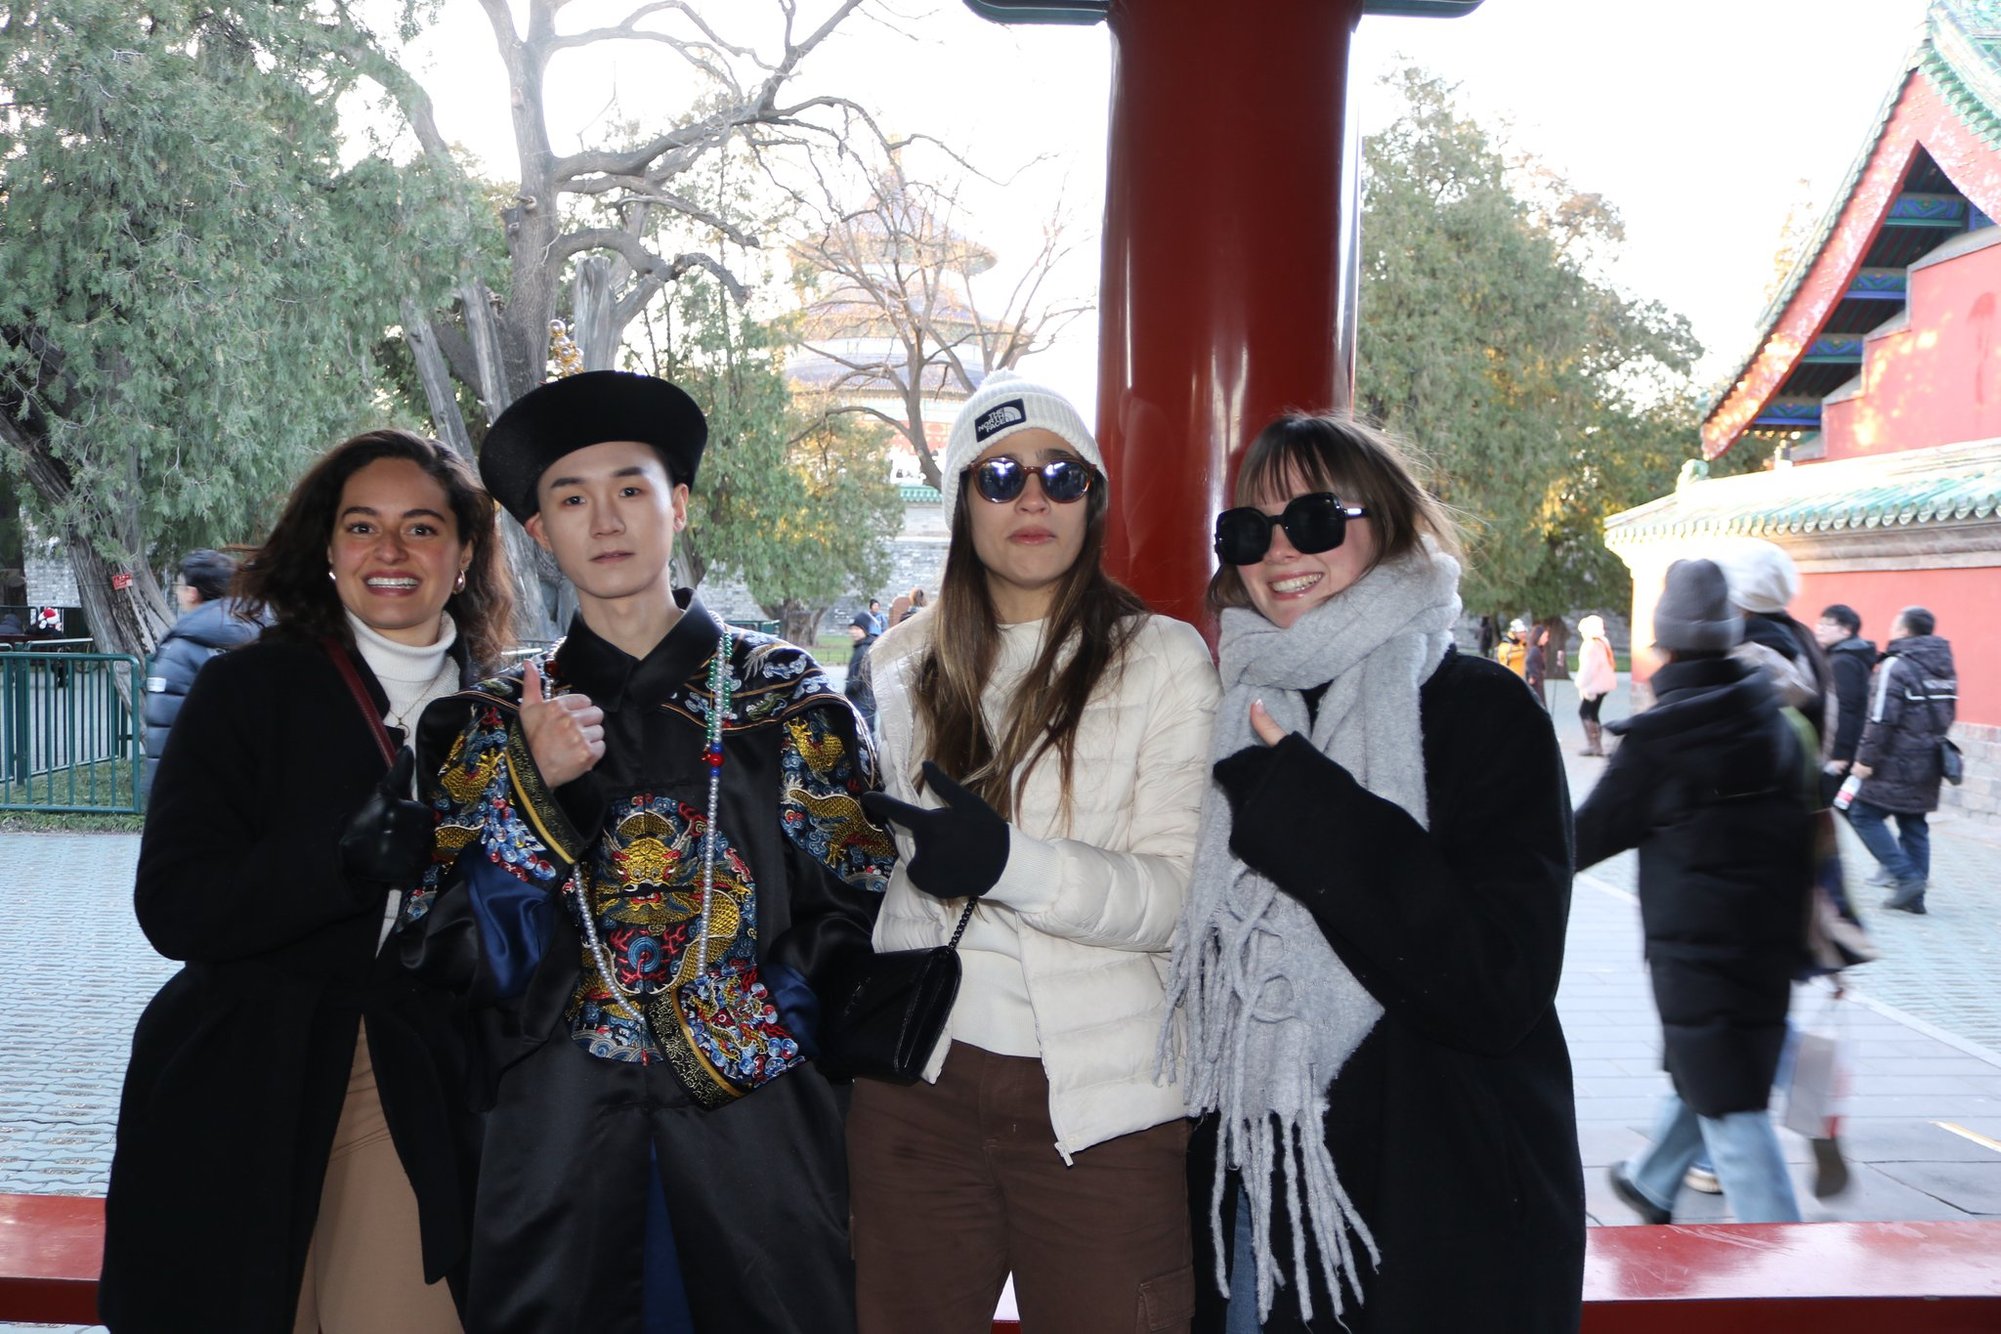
712, 755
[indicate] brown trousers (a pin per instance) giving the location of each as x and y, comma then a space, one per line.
956, 1184
365, 1269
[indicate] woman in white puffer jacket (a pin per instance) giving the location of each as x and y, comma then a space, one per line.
1038, 1142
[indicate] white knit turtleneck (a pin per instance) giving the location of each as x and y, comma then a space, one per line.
411, 677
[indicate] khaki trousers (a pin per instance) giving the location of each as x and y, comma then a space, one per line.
956, 1184
365, 1268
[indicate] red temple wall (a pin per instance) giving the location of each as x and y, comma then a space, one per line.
1937, 381
1966, 602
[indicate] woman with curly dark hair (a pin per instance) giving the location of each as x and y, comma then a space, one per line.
291, 1153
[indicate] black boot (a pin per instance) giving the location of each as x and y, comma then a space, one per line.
1910, 897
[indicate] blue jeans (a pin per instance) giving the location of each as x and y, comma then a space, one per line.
1907, 854
1241, 1317
1782, 1078
1742, 1145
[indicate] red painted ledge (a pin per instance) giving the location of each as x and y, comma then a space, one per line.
51, 1251
1732, 1278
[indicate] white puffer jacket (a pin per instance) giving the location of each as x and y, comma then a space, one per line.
1091, 907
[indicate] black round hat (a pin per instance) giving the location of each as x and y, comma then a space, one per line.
578, 411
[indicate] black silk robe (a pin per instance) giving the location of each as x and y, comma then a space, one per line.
686, 1066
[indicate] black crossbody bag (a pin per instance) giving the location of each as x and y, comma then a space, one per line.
1951, 764
892, 1018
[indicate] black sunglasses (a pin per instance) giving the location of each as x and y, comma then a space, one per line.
1002, 478
1314, 522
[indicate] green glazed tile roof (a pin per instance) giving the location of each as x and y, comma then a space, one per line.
1953, 484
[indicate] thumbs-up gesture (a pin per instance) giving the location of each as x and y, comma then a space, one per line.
565, 734
387, 841
962, 846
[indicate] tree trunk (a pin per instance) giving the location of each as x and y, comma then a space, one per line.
1556, 659
592, 299
797, 622
122, 620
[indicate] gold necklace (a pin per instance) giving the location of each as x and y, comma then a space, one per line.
399, 719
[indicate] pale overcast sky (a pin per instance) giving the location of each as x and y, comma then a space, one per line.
1698, 120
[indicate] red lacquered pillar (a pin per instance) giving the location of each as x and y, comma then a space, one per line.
1228, 287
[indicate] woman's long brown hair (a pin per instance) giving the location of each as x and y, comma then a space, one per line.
286, 579
1091, 611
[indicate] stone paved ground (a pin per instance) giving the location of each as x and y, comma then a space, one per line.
1922, 1126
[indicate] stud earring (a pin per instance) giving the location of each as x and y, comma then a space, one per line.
331, 575
460, 586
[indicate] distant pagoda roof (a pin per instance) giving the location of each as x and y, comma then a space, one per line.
1929, 171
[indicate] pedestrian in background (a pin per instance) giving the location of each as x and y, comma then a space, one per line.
1597, 677
292, 1152
863, 630
1535, 662
1763, 583
1850, 660
1913, 701
209, 623
1375, 930
1045, 748
1513, 650
1708, 785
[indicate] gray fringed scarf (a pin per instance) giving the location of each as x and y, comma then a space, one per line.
1273, 1013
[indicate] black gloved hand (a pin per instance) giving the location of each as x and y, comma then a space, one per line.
1243, 773
961, 846
387, 841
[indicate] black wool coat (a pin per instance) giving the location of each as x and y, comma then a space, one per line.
1710, 785
240, 1063
1453, 1126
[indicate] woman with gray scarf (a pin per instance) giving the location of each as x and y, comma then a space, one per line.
1369, 959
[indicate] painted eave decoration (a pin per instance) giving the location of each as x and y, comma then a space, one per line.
1929, 171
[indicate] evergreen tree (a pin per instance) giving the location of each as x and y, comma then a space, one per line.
795, 498
192, 277
1543, 399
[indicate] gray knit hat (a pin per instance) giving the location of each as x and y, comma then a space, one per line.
1003, 404
1694, 613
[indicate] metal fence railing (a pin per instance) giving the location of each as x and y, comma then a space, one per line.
68, 742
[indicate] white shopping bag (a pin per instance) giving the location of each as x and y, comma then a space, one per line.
1819, 1083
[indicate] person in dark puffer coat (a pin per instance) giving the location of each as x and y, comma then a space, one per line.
1851, 659
208, 625
1710, 787
1912, 703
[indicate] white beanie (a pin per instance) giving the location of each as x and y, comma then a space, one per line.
1003, 404
1591, 627
1762, 577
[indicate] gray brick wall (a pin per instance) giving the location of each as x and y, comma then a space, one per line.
1979, 797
